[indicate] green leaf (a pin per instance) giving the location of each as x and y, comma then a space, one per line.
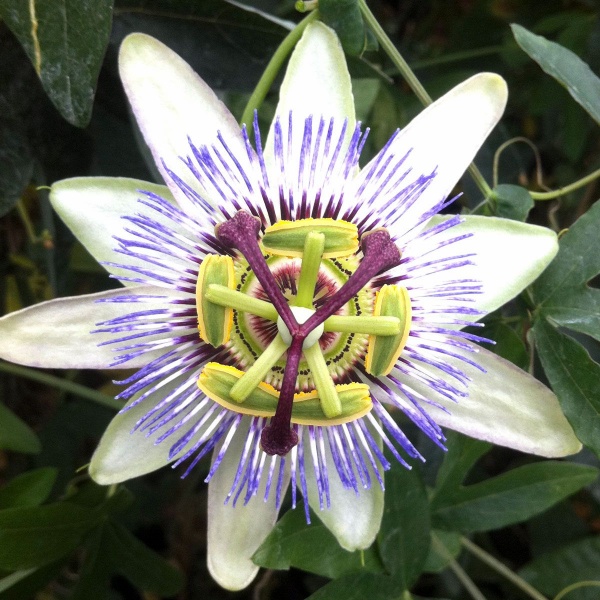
512, 202
28, 489
509, 344
313, 548
561, 293
15, 157
25, 583
463, 453
94, 577
112, 549
565, 66
226, 43
574, 377
511, 497
65, 40
358, 586
142, 566
579, 561
34, 536
445, 547
404, 535
15, 435
344, 17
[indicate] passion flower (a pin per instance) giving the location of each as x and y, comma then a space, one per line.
282, 304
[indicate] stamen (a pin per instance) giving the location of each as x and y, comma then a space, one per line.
330, 401
224, 296
257, 372
314, 244
380, 253
362, 324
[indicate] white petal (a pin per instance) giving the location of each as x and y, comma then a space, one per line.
57, 334
317, 84
317, 81
93, 209
354, 519
170, 103
235, 533
507, 255
508, 407
444, 139
123, 454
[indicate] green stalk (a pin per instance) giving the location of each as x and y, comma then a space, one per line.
62, 384
266, 81
502, 569
412, 80
460, 573
576, 586
567, 189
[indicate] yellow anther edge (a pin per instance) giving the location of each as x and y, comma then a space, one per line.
286, 238
384, 351
216, 379
214, 321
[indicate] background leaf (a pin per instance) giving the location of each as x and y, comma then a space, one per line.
31, 537
142, 566
574, 377
358, 586
293, 543
404, 536
29, 489
15, 435
565, 66
579, 561
512, 201
511, 497
562, 293
66, 51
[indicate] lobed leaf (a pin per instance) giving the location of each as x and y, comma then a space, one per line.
562, 293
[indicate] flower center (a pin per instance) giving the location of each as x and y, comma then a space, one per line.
300, 320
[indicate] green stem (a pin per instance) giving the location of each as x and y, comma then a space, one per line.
24, 216
565, 190
576, 586
460, 573
274, 66
63, 384
502, 569
412, 80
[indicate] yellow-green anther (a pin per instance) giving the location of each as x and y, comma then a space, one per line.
383, 351
330, 401
214, 321
363, 324
257, 372
287, 238
216, 381
224, 296
314, 245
